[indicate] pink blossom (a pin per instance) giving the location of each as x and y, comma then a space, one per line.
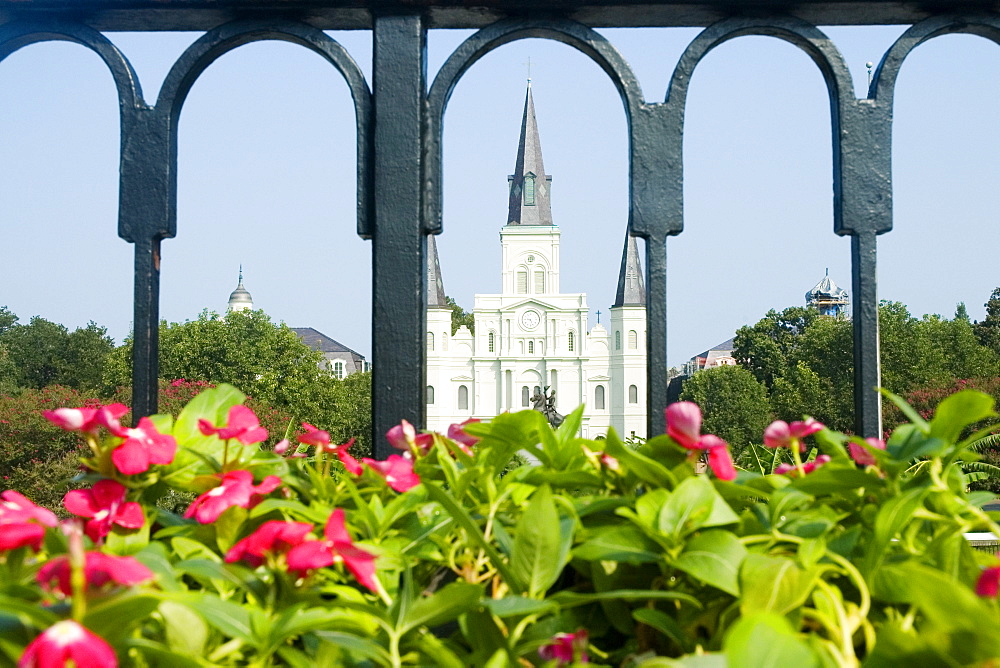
456, 432
404, 437
143, 447
861, 455
336, 547
609, 462
88, 420
565, 648
684, 423
281, 447
271, 538
99, 571
397, 471
104, 505
241, 424
780, 434
721, 462
68, 643
352, 465
236, 489
807, 467
314, 436
988, 585
22, 523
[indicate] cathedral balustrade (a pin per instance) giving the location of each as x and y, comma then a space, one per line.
400, 120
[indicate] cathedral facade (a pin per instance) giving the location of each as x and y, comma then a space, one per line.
532, 337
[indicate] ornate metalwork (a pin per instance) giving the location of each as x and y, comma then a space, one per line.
399, 129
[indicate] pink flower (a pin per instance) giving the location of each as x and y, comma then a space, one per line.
100, 570
237, 489
67, 643
566, 648
404, 437
271, 538
104, 505
684, 423
352, 465
807, 467
281, 447
610, 463
780, 434
988, 585
22, 523
720, 461
861, 455
88, 420
336, 548
397, 471
143, 447
314, 436
241, 424
456, 432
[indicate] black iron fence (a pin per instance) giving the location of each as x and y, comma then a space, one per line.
399, 129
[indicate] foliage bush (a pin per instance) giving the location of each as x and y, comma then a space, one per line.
442, 555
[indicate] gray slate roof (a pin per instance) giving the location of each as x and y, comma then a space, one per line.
725, 345
435, 283
826, 289
529, 163
631, 286
319, 341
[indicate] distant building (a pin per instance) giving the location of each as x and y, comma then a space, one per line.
827, 298
719, 355
339, 360
532, 336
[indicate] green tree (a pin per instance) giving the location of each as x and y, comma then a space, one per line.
988, 330
460, 316
44, 353
735, 405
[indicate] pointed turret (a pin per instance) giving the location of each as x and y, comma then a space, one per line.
240, 299
631, 288
529, 185
435, 284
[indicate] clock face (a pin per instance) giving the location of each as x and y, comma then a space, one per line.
530, 319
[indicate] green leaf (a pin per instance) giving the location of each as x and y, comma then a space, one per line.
570, 599
958, 411
535, 560
186, 630
517, 606
648, 470
768, 641
213, 405
773, 584
892, 517
163, 655
714, 557
113, 618
622, 542
665, 624
911, 414
836, 477
693, 505
230, 618
127, 543
444, 606
363, 647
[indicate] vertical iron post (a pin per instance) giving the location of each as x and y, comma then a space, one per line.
398, 242
656, 334
146, 328
867, 402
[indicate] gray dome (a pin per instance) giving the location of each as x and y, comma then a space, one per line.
240, 298
826, 290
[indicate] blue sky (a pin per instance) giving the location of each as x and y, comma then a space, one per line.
267, 178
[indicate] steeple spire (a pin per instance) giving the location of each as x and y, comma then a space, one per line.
529, 185
435, 284
631, 288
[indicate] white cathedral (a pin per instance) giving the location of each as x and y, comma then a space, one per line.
531, 336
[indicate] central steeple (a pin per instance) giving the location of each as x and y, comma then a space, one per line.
529, 184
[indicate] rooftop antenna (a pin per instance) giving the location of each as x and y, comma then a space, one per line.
241, 272
869, 65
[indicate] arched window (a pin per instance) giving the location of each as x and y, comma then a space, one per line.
338, 370
537, 390
430, 394
633, 394
525, 396
570, 342
529, 189
522, 282
599, 397
463, 398
531, 347
444, 340
430, 341
539, 282
618, 340
492, 342
633, 340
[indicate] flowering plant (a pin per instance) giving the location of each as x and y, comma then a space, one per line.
594, 552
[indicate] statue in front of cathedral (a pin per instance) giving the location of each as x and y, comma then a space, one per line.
546, 405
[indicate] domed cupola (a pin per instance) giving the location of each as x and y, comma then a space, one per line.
240, 299
827, 297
